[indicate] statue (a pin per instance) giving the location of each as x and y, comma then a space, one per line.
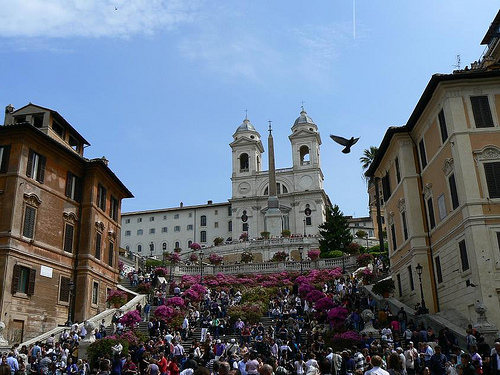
3, 343
367, 316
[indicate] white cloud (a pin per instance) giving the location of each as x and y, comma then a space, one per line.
92, 18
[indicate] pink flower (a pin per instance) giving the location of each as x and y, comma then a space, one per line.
195, 246
324, 304
315, 295
175, 301
313, 254
131, 318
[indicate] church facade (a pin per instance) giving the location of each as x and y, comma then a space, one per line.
299, 188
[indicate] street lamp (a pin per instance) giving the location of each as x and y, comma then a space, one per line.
305, 228
301, 249
201, 264
422, 309
71, 287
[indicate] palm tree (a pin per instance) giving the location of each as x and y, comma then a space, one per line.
368, 156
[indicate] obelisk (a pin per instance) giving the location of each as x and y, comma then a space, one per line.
273, 217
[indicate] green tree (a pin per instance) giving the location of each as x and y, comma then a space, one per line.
368, 156
334, 231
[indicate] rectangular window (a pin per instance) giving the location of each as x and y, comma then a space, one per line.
128, 233
95, 292
398, 172
442, 126
98, 240
4, 158
203, 236
410, 278
139, 219
113, 208
177, 228
189, 227
190, 214
203, 221
74, 187
111, 254
216, 212
393, 237
151, 218
430, 210
29, 222
423, 156
101, 197
386, 187
230, 226
127, 221
229, 211
176, 216
308, 220
405, 226
164, 217
216, 224
152, 231
463, 255
64, 289
36, 166
245, 227
139, 232
481, 111
164, 230
442, 207
23, 280
439, 273
400, 287
453, 191
69, 232
492, 174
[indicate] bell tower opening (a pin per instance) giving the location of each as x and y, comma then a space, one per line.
305, 157
244, 163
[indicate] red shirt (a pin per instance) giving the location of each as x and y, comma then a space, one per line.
162, 365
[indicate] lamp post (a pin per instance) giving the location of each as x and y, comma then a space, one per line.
71, 287
423, 309
171, 278
301, 249
201, 264
305, 228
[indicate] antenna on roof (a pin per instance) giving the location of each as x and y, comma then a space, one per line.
457, 65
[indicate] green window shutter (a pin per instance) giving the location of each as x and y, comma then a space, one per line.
64, 289
481, 111
15, 278
31, 283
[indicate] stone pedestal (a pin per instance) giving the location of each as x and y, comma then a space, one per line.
4, 344
483, 326
367, 316
274, 221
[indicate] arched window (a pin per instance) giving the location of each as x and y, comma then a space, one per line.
127, 248
203, 236
203, 221
164, 246
304, 155
139, 248
189, 243
177, 245
280, 189
244, 163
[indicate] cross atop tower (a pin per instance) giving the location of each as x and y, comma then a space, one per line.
270, 127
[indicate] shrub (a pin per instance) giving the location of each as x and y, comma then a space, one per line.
313, 254
195, 246
174, 258
340, 341
193, 258
246, 257
248, 312
324, 304
102, 348
265, 234
218, 241
116, 297
164, 312
286, 233
337, 316
215, 259
175, 301
332, 254
364, 259
144, 288
131, 318
280, 256
161, 271
315, 295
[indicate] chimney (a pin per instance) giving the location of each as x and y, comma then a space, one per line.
9, 108
209, 202
181, 205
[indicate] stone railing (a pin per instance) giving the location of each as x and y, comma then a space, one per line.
266, 267
107, 315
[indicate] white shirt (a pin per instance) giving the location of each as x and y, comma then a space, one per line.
376, 371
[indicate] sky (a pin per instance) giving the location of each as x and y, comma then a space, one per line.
159, 87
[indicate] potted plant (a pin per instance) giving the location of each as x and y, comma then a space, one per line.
116, 298
246, 257
313, 254
193, 258
384, 287
280, 256
195, 246
265, 234
215, 259
174, 258
218, 241
286, 233
244, 236
364, 259
367, 275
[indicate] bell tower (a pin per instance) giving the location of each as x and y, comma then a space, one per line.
247, 152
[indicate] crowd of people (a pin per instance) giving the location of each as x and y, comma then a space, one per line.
291, 342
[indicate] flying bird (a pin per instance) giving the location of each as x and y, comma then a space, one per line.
348, 143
